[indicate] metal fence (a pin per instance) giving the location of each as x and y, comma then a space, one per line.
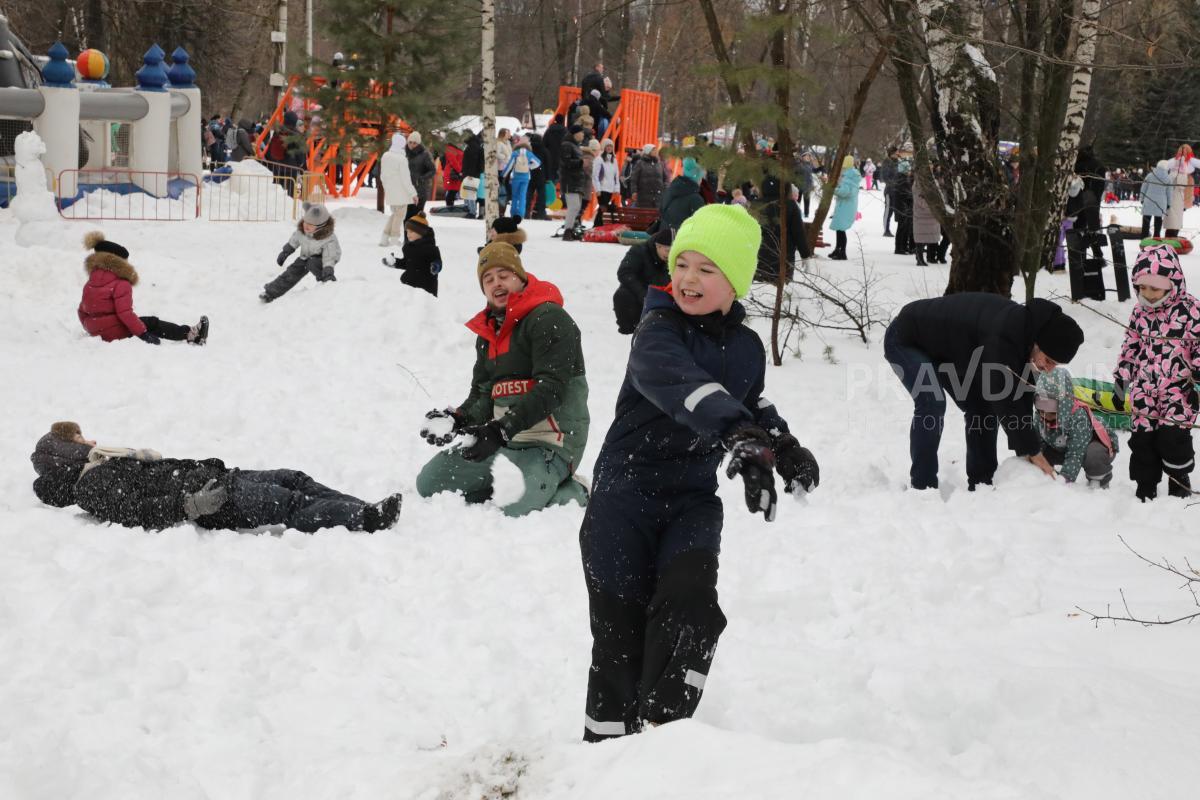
251, 198
124, 194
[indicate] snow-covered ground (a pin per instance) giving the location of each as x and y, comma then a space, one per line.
882, 643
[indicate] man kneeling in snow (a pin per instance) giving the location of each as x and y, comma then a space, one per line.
528, 399
141, 488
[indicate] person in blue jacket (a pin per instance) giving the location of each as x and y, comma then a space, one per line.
520, 164
652, 532
846, 210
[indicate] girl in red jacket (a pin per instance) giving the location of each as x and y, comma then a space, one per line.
106, 309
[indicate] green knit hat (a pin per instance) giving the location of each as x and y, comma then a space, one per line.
728, 236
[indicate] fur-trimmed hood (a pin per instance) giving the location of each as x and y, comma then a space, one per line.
515, 238
107, 261
322, 231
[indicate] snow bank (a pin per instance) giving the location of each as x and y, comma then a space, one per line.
882, 643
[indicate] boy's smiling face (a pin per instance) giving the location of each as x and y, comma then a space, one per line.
699, 286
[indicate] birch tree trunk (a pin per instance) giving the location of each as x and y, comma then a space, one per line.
1072, 128
490, 171
964, 112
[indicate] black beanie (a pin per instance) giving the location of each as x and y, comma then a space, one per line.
111, 247
1059, 338
664, 236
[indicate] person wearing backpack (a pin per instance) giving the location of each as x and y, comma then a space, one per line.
520, 164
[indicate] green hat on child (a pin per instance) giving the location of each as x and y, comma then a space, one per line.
726, 235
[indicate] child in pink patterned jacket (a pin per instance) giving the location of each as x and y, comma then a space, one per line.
1157, 371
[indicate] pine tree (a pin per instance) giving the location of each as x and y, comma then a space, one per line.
401, 58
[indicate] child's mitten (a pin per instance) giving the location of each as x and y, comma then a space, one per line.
751, 457
284, 253
206, 501
796, 465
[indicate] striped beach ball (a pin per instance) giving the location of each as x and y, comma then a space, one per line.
92, 65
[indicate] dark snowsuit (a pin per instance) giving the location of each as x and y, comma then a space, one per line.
973, 341
902, 207
150, 494
652, 531
640, 269
421, 261
680, 200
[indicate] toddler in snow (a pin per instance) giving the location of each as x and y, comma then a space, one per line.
420, 259
106, 308
1157, 371
319, 253
1072, 437
652, 531
505, 229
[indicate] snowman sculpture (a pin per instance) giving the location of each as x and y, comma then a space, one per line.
34, 202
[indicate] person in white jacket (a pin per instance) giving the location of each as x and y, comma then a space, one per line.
1180, 170
606, 179
398, 189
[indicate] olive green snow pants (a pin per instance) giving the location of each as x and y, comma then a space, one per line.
547, 477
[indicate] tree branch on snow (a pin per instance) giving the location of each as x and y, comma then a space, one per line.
1191, 582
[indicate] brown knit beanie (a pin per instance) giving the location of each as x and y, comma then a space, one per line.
66, 431
500, 254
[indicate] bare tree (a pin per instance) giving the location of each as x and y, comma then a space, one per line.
1191, 583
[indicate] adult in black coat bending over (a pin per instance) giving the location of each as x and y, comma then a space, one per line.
982, 350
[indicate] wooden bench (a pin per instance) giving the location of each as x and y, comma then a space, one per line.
638, 219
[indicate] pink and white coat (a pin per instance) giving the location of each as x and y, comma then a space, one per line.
1160, 357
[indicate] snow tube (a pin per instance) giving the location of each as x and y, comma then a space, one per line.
1182, 244
605, 233
630, 238
1098, 396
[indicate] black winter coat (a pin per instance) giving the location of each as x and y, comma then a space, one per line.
553, 138
768, 250
646, 182
571, 172
420, 167
148, 494
690, 382
421, 262
680, 201
982, 339
1091, 169
640, 269
472, 164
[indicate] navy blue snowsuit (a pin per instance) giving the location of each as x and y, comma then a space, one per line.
652, 530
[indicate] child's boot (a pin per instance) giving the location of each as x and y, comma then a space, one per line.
1146, 491
1179, 485
198, 333
382, 515
921, 257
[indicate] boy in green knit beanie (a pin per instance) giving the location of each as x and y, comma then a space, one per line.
652, 531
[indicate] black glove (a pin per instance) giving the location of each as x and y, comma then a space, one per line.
149, 338
750, 456
283, 254
327, 275
436, 435
796, 465
488, 439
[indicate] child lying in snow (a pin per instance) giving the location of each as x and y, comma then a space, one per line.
319, 253
141, 488
1071, 435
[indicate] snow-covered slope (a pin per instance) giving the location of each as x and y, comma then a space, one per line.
882, 643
